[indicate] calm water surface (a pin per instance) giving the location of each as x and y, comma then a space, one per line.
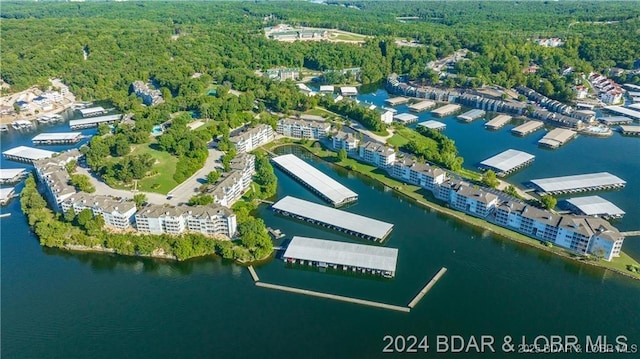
57, 304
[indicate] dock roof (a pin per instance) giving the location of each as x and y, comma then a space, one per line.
507, 160
7, 174
595, 205
90, 110
422, 105
30, 153
347, 220
405, 117
528, 126
57, 136
341, 253
331, 189
434, 125
624, 111
92, 120
6, 192
612, 120
498, 121
565, 183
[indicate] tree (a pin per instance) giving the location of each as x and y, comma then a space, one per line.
140, 199
342, 154
71, 166
548, 201
489, 179
82, 183
213, 176
103, 129
200, 199
121, 146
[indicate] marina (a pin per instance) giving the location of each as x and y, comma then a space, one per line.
624, 111
507, 162
22, 125
471, 115
434, 125
56, 138
527, 128
497, 122
341, 255
395, 101
93, 122
6, 194
44, 120
594, 206
446, 110
615, 120
405, 118
92, 111
422, 106
578, 183
27, 154
342, 221
557, 137
12, 175
630, 130
326, 187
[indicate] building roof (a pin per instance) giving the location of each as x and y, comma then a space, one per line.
348, 90
611, 120
434, 125
30, 153
422, 105
405, 117
10, 173
6, 192
331, 189
624, 111
57, 136
472, 114
630, 128
557, 136
347, 220
90, 110
247, 133
477, 194
446, 109
326, 88
588, 180
341, 253
106, 204
158, 211
595, 205
92, 120
528, 126
498, 121
507, 160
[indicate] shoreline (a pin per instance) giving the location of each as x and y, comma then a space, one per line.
469, 220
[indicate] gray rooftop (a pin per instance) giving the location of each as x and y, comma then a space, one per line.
624, 111
327, 186
405, 117
360, 224
588, 180
10, 173
57, 136
595, 205
341, 253
90, 110
28, 152
435, 125
6, 192
92, 120
508, 160
615, 119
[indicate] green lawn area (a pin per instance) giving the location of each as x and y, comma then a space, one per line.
165, 166
397, 140
318, 111
347, 36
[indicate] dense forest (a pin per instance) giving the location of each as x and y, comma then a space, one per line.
171, 41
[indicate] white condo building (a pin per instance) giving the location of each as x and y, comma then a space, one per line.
116, 213
378, 154
253, 138
345, 140
298, 128
209, 220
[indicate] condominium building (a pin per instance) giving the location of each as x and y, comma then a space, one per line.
377, 154
473, 201
148, 95
345, 140
252, 138
52, 172
209, 220
298, 128
116, 213
421, 174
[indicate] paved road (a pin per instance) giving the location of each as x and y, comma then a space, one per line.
181, 193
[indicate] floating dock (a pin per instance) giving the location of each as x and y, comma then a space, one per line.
341, 255
12, 175
497, 122
446, 110
334, 297
27, 154
557, 137
594, 206
405, 118
6, 194
434, 125
507, 162
427, 288
422, 106
343, 221
395, 101
579, 183
93, 122
624, 111
319, 183
615, 120
253, 273
527, 128
56, 138
630, 130
92, 111
471, 115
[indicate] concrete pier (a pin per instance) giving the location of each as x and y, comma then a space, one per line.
253, 273
427, 287
334, 297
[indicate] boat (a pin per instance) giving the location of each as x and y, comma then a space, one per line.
44, 119
22, 125
4, 128
81, 105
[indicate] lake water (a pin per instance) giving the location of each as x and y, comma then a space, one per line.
58, 304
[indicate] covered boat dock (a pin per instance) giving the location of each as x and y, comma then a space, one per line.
507, 162
579, 183
594, 206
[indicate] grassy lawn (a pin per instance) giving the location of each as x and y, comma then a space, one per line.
318, 111
416, 193
165, 166
397, 140
347, 36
